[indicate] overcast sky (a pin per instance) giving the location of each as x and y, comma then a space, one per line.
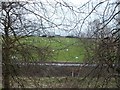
67, 17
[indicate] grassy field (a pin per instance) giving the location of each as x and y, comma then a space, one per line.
64, 82
64, 49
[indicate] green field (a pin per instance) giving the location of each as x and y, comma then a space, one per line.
62, 49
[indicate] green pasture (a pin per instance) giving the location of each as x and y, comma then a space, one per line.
63, 49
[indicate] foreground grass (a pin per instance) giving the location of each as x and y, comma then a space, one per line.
63, 82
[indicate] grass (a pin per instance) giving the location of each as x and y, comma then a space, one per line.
64, 49
64, 82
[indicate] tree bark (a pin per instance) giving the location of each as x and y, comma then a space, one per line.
118, 50
6, 72
6, 50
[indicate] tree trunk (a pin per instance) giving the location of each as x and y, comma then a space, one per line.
6, 73
118, 59
6, 61
6, 50
118, 50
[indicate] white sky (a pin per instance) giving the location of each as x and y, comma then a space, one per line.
58, 17
75, 2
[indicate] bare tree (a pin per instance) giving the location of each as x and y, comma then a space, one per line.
105, 39
15, 26
102, 49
